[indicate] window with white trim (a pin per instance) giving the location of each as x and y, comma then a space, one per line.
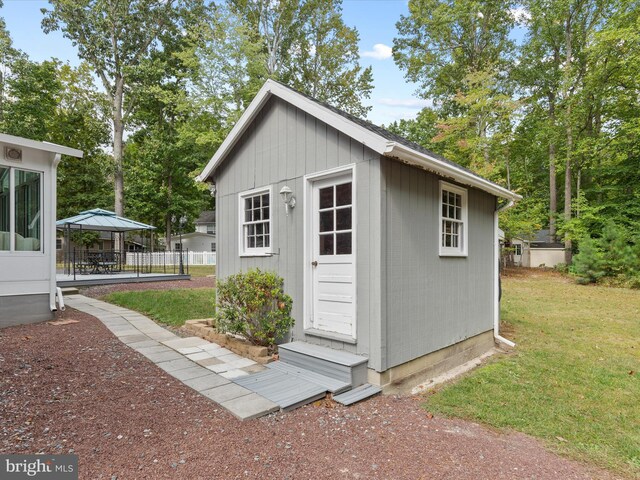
255, 222
453, 220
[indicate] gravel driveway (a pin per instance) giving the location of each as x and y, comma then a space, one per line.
76, 388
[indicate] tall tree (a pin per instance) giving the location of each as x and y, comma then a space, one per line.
307, 45
440, 42
117, 38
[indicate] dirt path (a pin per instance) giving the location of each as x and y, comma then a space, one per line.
76, 388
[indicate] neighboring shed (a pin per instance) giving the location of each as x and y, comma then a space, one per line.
389, 251
28, 228
537, 251
194, 242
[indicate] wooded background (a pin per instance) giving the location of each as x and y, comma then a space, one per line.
554, 117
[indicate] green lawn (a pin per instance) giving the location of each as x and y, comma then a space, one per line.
172, 307
573, 379
194, 270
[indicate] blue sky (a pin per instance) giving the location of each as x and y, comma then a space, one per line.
393, 98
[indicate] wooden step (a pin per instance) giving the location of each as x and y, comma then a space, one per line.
329, 384
337, 364
352, 396
287, 391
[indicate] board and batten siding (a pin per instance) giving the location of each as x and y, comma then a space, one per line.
431, 302
280, 147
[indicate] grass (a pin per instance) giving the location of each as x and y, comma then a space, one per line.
573, 380
172, 307
194, 270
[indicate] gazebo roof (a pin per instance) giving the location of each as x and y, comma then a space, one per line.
101, 220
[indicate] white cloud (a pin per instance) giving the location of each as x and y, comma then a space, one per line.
520, 14
380, 52
415, 103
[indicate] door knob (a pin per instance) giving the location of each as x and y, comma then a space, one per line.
314, 263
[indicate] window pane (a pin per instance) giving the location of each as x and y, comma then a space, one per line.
326, 244
27, 211
343, 194
259, 229
343, 219
265, 213
4, 209
251, 230
343, 243
251, 242
247, 204
265, 200
458, 213
326, 197
259, 241
326, 221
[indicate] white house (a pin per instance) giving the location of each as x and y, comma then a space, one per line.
28, 228
195, 242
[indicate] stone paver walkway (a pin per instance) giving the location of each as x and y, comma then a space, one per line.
204, 366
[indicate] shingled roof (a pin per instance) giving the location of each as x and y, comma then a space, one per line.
377, 138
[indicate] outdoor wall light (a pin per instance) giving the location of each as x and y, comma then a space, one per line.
288, 198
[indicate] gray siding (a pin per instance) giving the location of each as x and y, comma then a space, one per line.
23, 309
281, 146
431, 302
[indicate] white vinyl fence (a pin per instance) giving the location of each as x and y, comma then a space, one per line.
171, 258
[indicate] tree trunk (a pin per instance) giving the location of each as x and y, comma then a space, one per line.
569, 132
118, 146
553, 190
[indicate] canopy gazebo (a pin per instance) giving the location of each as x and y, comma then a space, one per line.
98, 220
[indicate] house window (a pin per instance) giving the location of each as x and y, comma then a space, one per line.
178, 246
20, 194
58, 244
453, 220
213, 246
211, 229
517, 249
255, 222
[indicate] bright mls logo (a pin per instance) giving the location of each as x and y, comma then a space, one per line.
50, 467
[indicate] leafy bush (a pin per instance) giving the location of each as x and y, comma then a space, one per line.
587, 264
254, 305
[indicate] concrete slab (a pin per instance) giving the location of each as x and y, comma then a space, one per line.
129, 339
234, 373
185, 342
189, 350
226, 392
242, 363
162, 336
250, 406
207, 362
220, 367
199, 356
145, 343
191, 372
163, 356
173, 365
211, 346
206, 382
159, 348
229, 357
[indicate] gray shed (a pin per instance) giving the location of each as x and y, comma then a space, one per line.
389, 251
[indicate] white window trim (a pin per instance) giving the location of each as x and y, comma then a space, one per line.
254, 252
454, 251
12, 214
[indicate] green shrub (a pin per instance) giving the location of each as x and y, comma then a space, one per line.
254, 305
587, 264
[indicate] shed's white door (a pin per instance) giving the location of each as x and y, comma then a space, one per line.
333, 256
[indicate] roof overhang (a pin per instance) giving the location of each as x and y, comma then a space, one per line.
372, 140
37, 145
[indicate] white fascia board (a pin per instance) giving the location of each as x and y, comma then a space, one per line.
407, 154
35, 144
340, 123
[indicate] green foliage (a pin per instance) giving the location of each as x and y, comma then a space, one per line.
254, 305
588, 265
